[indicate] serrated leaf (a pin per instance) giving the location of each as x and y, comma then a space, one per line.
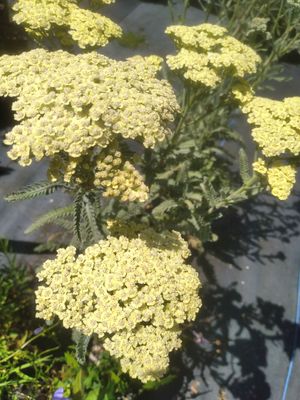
187, 144
210, 193
50, 217
183, 151
166, 174
82, 342
244, 166
49, 246
198, 197
189, 204
78, 206
182, 173
89, 212
163, 207
195, 174
31, 191
231, 134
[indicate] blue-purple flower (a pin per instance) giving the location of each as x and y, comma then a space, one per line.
59, 395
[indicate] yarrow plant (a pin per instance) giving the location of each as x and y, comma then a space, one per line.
119, 142
66, 21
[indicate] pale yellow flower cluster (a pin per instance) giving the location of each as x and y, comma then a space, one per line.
280, 176
64, 17
133, 293
69, 105
277, 124
72, 103
277, 133
208, 54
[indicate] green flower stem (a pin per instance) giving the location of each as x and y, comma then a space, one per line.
278, 17
181, 17
33, 338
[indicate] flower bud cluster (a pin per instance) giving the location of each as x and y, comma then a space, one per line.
207, 54
108, 169
119, 178
135, 294
65, 17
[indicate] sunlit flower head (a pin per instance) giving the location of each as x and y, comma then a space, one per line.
135, 294
207, 54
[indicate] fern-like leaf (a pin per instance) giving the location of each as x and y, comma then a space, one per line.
244, 166
163, 207
78, 206
48, 247
82, 342
50, 217
31, 191
91, 217
65, 223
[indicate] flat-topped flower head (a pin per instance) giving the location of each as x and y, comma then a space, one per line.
281, 176
64, 18
134, 293
276, 124
208, 54
73, 103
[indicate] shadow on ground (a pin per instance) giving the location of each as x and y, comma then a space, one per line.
237, 365
241, 231
232, 337
229, 347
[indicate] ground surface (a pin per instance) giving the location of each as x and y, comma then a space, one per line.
250, 276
